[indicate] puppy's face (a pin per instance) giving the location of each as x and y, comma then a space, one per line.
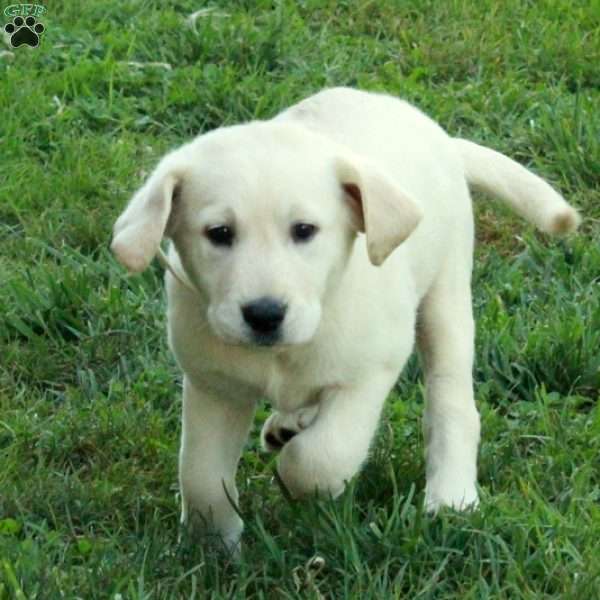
263, 229
263, 217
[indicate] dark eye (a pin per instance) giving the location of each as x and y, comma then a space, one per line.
303, 232
220, 235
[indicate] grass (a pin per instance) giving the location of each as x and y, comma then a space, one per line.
89, 409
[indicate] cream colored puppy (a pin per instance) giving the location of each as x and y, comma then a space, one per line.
274, 291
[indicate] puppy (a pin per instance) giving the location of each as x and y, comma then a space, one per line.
307, 253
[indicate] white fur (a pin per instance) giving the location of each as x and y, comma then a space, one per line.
349, 162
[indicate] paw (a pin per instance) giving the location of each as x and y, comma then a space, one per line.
456, 494
310, 465
24, 31
280, 428
223, 536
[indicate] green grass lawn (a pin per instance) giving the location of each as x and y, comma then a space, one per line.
89, 395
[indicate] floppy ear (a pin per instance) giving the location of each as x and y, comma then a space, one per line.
379, 207
139, 230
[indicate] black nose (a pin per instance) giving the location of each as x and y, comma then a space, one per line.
264, 315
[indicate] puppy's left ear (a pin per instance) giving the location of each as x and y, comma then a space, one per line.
379, 207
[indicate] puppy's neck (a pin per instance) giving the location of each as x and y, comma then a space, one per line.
176, 271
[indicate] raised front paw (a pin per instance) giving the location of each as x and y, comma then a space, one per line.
280, 428
316, 463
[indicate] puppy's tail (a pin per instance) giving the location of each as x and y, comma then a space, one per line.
528, 195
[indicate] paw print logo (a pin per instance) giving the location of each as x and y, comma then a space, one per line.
24, 31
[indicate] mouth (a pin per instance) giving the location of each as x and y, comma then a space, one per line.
266, 339
253, 340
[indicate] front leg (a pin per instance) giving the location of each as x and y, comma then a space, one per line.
281, 427
213, 434
331, 450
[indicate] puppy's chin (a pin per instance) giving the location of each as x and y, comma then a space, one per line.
267, 342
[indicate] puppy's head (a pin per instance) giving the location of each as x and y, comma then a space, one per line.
263, 217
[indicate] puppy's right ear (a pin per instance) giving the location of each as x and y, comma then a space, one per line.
139, 230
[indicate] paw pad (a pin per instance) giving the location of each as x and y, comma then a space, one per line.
24, 31
276, 440
280, 428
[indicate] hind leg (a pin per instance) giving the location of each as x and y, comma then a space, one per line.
451, 425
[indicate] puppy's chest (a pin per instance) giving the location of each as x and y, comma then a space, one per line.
287, 382
289, 386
